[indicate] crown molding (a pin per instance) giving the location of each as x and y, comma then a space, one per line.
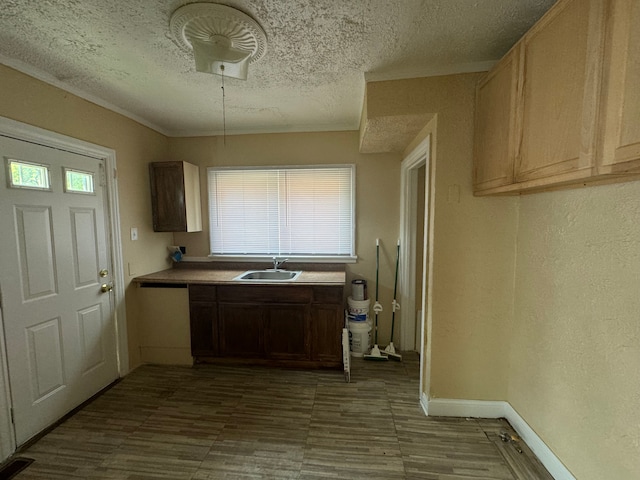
404, 74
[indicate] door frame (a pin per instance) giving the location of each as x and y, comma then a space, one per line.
409, 168
21, 131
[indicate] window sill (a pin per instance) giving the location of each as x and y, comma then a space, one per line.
268, 258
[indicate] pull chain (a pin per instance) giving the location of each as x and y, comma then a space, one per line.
224, 119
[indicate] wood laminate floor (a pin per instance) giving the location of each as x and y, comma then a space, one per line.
224, 422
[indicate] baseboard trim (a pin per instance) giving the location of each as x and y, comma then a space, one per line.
443, 407
552, 463
424, 403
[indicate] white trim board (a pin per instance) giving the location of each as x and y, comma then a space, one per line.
421, 155
442, 407
7, 437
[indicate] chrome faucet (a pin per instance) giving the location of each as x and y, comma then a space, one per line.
278, 263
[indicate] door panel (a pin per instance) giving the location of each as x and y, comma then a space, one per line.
44, 345
58, 325
85, 249
90, 326
35, 251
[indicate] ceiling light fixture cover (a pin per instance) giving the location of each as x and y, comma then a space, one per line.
220, 36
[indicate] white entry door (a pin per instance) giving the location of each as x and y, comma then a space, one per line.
54, 257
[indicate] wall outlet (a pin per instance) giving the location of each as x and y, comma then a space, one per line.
134, 233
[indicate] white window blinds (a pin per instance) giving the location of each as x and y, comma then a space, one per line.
305, 211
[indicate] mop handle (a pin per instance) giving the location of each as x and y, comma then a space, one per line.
377, 264
395, 283
376, 310
395, 304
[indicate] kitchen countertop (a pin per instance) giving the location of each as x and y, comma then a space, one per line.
225, 277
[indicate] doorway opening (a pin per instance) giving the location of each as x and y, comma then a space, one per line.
416, 229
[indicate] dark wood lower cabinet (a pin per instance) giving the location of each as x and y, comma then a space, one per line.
241, 330
287, 332
263, 324
203, 321
327, 322
203, 316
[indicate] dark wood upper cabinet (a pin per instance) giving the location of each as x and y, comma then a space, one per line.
175, 197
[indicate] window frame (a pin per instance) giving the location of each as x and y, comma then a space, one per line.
11, 185
65, 186
222, 257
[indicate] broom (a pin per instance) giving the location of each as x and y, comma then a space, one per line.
375, 354
390, 351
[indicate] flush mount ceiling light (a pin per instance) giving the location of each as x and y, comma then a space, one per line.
224, 40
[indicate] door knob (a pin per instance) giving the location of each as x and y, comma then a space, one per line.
106, 287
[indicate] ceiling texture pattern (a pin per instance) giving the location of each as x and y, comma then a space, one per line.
121, 54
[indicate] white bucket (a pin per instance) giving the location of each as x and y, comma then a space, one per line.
359, 338
358, 309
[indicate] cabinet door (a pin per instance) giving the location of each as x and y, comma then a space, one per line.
621, 92
287, 332
326, 343
561, 72
175, 197
495, 125
203, 317
168, 197
241, 330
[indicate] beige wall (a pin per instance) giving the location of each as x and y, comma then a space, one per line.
575, 348
31, 101
474, 241
377, 192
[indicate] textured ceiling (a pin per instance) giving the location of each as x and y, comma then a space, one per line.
120, 54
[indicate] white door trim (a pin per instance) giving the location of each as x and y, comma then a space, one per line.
7, 436
29, 133
420, 156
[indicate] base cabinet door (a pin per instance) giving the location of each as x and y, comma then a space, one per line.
287, 332
326, 345
204, 339
203, 318
241, 330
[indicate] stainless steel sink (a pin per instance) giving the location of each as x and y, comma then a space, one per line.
269, 275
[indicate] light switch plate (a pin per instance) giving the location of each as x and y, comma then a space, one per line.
134, 233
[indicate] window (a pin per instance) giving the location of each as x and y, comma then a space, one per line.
28, 175
293, 211
76, 181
